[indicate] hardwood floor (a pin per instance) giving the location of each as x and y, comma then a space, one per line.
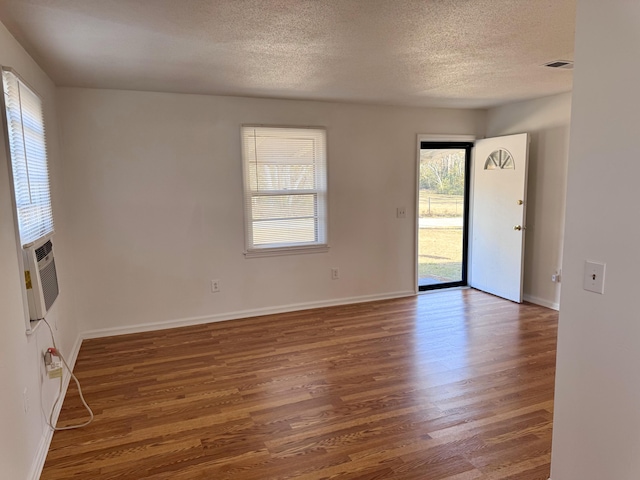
454, 385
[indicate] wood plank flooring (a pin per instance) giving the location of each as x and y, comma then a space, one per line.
454, 385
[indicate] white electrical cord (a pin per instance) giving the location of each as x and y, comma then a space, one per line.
55, 404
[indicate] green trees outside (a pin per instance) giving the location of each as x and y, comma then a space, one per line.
442, 171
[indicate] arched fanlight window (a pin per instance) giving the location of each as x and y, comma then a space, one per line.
500, 160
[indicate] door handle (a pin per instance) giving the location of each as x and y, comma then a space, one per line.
518, 228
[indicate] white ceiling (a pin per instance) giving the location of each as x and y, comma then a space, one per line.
452, 53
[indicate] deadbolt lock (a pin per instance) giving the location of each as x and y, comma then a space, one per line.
517, 227
520, 202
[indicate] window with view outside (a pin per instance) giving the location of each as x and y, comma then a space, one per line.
29, 168
285, 182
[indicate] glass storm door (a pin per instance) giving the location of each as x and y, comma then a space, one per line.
443, 205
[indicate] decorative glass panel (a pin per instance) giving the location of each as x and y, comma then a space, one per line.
500, 160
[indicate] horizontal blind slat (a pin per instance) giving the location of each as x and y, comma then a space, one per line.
27, 145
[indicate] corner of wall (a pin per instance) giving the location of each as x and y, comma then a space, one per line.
547, 119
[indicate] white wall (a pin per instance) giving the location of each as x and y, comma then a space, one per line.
547, 120
23, 435
155, 203
596, 432
149, 210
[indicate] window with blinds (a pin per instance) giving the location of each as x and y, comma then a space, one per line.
285, 186
27, 145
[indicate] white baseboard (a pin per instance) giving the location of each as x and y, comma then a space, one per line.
541, 301
221, 317
41, 454
47, 436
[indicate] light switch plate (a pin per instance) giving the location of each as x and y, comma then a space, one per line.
594, 276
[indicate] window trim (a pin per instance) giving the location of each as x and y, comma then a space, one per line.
291, 249
48, 226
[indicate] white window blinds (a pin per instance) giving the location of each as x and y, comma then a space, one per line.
285, 184
28, 158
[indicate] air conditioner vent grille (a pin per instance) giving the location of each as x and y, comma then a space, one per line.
49, 280
41, 279
44, 250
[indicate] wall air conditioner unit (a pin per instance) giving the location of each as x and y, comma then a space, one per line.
40, 277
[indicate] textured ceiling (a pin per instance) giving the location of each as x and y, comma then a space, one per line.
454, 53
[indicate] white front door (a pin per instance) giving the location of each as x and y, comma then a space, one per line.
498, 215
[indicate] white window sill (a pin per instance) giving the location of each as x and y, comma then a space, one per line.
279, 251
33, 326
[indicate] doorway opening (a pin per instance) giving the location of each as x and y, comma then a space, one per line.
443, 214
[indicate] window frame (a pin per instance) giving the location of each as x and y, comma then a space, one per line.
465, 143
321, 201
43, 226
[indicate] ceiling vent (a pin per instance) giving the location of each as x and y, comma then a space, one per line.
566, 64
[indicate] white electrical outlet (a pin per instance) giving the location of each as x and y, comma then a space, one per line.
401, 212
594, 277
215, 286
54, 370
53, 365
335, 274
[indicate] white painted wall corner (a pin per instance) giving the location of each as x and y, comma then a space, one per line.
541, 301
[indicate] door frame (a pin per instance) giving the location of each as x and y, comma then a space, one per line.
443, 138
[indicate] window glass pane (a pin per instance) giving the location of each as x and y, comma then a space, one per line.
288, 232
28, 159
283, 149
499, 159
282, 177
278, 162
283, 206
441, 216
